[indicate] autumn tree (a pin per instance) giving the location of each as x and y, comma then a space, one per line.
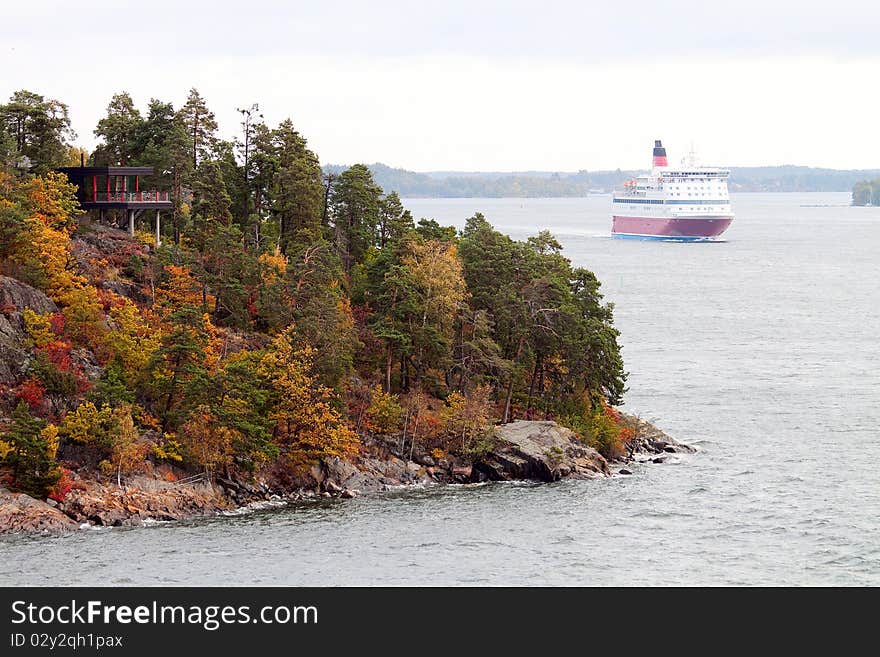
207, 443
108, 430
468, 417
306, 426
415, 288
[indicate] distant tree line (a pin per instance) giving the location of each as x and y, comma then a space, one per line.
538, 184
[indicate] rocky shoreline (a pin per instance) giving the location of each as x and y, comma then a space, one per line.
522, 450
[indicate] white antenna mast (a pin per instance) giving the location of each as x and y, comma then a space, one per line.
692, 156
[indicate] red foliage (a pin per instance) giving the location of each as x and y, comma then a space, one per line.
109, 299
58, 352
56, 321
62, 487
83, 385
613, 413
33, 392
253, 312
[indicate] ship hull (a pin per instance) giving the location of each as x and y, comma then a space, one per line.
683, 229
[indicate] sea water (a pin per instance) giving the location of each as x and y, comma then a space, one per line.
762, 350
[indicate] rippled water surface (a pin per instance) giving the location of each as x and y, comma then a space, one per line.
762, 350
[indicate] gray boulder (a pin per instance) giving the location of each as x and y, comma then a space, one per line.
15, 296
542, 451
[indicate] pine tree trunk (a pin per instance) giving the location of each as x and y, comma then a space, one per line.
388, 361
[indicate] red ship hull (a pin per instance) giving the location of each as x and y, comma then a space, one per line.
676, 228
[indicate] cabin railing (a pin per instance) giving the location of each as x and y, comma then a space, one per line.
131, 197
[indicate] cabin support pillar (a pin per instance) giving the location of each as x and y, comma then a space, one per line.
131, 222
158, 232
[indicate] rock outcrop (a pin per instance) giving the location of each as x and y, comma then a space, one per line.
143, 498
648, 439
542, 451
20, 513
521, 450
15, 297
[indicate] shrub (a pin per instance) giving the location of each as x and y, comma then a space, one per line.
384, 414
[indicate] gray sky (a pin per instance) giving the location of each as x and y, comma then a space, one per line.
480, 85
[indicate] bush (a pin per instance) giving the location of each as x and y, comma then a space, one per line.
384, 414
599, 427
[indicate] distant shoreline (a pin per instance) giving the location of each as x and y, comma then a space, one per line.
549, 184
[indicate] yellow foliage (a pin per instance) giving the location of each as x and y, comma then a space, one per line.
468, 417
145, 237
128, 454
5, 448
144, 419
109, 429
87, 425
307, 427
214, 347
170, 449
84, 316
38, 327
52, 199
436, 271
46, 253
181, 288
50, 436
384, 414
75, 155
131, 339
206, 442
272, 267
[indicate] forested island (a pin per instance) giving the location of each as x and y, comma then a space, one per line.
539, 184
292, 332
866, 192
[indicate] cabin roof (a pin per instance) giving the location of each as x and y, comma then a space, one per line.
77, 172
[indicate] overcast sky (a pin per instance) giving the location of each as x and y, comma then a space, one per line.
470, 85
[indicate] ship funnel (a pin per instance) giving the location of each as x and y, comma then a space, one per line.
659, 154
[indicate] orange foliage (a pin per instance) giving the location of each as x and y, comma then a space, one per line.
181, 288
307, 427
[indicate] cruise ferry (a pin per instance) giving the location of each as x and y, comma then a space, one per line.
687, 203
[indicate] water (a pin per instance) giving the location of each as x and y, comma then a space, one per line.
762, 350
